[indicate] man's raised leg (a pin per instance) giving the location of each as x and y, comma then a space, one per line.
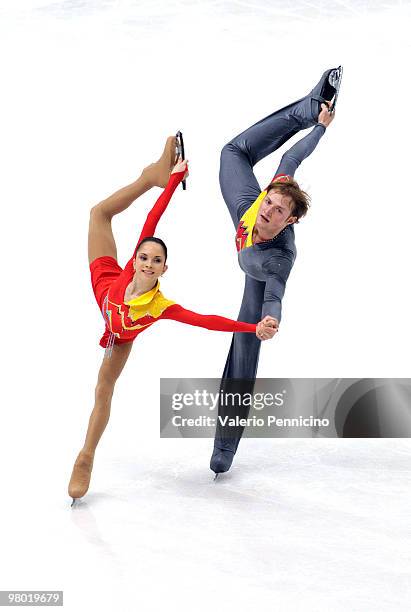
238, 183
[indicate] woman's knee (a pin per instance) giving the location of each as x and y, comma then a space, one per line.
104, 389
98, 214
95, 210
111, 368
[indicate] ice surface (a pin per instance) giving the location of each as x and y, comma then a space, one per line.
294, 526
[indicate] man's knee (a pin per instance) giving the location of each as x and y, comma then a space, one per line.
232, 153
226, 153
234, 147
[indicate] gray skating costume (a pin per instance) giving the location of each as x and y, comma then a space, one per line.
267, 265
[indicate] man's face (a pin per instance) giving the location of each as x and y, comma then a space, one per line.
273, 215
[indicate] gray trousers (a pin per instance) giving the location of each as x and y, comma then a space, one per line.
240, 189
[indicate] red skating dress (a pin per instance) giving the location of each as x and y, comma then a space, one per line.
126, 320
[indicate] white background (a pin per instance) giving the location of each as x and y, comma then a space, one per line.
90, 90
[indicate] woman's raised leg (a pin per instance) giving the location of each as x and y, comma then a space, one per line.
100, 237
109, 372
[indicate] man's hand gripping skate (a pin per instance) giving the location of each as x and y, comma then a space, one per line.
325, 117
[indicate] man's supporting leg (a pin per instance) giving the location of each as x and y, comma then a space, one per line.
238, 377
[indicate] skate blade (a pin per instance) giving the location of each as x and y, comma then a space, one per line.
335, 77
335, 81
180, 152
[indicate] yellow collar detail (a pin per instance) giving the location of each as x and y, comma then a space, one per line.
144, 298
152, 303
249, 217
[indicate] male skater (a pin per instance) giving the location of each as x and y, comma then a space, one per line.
265, 234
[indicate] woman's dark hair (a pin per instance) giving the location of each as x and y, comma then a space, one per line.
153, 239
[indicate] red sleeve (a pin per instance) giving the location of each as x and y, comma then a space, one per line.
159, 207
213, 322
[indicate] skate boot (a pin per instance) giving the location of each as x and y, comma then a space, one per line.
326, 90
80, 477
159, 172
223, 455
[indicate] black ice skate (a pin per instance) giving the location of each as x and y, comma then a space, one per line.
335, 79
326, 90
221, 460
180, 152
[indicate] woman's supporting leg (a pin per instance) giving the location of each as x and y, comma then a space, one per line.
100, 238
109, 372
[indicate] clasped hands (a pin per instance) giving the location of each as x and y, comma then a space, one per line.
267, 328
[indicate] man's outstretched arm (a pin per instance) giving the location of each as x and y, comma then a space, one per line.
304, 147
280, 268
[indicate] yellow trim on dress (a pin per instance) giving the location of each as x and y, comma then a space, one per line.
144, 298
152, 303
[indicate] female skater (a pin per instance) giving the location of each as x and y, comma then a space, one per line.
130, 299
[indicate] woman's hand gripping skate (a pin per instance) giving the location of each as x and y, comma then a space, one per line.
181, 165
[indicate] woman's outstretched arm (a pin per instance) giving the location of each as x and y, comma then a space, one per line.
158, 209
154, 216
212, 322
264, 330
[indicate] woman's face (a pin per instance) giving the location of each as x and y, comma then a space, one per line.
149, 263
